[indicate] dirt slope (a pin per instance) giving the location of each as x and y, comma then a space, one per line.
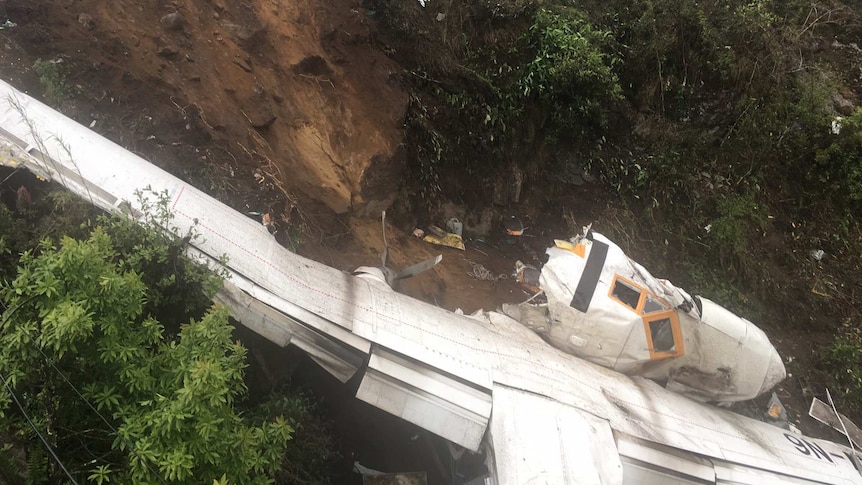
297, 82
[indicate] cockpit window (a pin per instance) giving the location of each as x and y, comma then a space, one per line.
626, 293
661, 327
652, 305
661, 332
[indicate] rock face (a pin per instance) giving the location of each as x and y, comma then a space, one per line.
299, 82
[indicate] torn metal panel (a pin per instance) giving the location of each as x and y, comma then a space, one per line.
824, 413
422, 396
338, 359
537, 440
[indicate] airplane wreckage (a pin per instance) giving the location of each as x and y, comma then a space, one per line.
578, 411
608, 309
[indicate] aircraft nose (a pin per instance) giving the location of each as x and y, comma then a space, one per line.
775, 373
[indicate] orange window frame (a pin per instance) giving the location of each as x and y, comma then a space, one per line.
631, 283
679, 346
669, 313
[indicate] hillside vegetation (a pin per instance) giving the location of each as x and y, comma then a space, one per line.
726, 134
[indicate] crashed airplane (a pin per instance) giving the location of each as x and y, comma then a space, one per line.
608, 309
537, 413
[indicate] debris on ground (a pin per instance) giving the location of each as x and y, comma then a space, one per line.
442, 238
374, 477
482, 273
515, 226
268, 223
455, 226
817, 254
527, 276
828, 415
258, 176
776, 413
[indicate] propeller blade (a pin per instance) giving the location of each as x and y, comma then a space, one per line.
417, 268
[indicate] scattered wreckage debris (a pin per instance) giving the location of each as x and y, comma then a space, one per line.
828, 415
515, 226
387, 276
440, 237
480, 272
455, 226
601, 306
532, 413
776, 413
527, 276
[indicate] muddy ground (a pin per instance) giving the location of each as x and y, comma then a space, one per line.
294, 110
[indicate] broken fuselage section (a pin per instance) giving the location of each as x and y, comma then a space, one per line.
608, 309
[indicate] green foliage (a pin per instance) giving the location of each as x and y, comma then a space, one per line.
842, 360
738, 216
11, 236
175, 285
53, 81
310, 457
77, 311
10, 468
677, 51
626, 176
570, 72
100, 475
427, 156
37, 466
839, 165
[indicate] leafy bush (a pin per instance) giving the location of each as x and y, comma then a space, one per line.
53, 81
310, 456
570, 72
81, 320
75, 314
679, 50
842, 360
738, 216
839, 165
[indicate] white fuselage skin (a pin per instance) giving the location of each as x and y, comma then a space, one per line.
709, 353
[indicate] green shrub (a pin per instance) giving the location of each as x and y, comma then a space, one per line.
842, 361
738, 216
53, 81
570, 73
839, 165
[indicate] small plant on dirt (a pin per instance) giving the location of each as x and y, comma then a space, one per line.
738, 215
53, 81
